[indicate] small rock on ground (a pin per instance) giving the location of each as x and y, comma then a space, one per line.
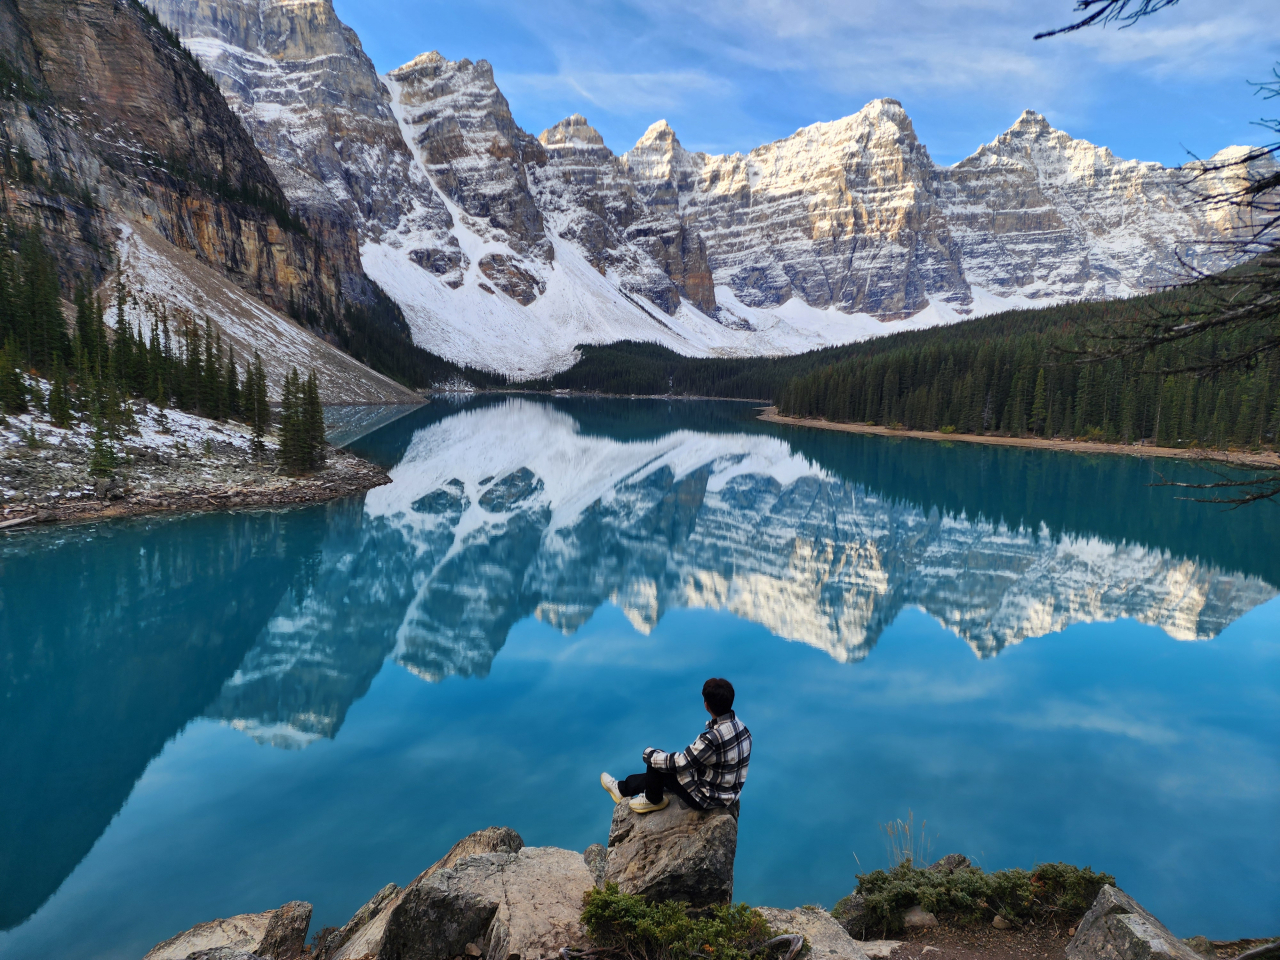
827, 939
918, 916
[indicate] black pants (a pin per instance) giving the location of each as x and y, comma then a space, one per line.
653, 784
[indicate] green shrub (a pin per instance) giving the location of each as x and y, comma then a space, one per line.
968, 896
644, 931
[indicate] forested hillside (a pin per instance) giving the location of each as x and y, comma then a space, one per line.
1038, 384
1017, 373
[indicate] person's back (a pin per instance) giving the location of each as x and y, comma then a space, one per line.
710, 772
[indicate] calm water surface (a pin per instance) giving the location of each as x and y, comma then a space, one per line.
1040, 654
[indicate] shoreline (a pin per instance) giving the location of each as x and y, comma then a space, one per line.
345, 475
1257, 461
163, 462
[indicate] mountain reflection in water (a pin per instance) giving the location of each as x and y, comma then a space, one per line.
507, 511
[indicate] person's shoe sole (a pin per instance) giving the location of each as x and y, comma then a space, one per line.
611, 791
641, 804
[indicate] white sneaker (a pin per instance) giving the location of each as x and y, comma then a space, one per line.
641, 804
611, 787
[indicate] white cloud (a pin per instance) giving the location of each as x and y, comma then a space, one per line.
624, 93
731, 74
920, 45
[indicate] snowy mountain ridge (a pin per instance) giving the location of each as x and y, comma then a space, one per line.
506, 251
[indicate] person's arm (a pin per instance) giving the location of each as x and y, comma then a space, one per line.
698, 753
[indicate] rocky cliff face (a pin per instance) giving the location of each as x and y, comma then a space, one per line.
841, 214
121, 122
459, 123
854, 214
312, 100
1041, 215
594, 203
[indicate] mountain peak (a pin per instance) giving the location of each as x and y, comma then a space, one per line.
1029, 124
885, 105
571, 130
659, 133
435, 64
432, 58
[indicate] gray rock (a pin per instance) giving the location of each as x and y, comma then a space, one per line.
595, 857
524, 902
1117, 928
329, 941
879, 949
677, 853
917, 917
827, 939
489, 840
273, 935
851, 913
1203, 946
950, 864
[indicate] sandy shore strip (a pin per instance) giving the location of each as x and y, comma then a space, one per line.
1259, 461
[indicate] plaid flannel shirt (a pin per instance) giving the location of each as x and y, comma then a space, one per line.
713, 767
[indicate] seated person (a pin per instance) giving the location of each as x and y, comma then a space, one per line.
708, 773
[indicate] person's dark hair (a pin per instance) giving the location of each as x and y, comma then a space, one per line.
719, 695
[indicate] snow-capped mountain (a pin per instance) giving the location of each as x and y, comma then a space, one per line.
842, 214
506, 250
474, 535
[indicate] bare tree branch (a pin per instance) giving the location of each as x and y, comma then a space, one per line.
1240, 308
1241, 491
1108, 11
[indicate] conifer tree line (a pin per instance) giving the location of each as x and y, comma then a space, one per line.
1028, 385
93, 374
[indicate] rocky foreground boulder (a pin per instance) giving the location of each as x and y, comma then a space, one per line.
490, 897
273, 935
1117, 928
677, 853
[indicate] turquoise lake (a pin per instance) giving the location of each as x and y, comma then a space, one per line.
1046, 656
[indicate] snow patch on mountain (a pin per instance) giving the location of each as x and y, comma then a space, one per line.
466, 320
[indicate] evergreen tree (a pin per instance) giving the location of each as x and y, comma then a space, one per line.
13, 388
313, 415
257, 408
59, 401
293, 448
102, 461
233, 399
1039, 405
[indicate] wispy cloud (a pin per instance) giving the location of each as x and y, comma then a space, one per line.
623, 93
730, 74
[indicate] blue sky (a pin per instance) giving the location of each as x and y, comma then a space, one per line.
732, 74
